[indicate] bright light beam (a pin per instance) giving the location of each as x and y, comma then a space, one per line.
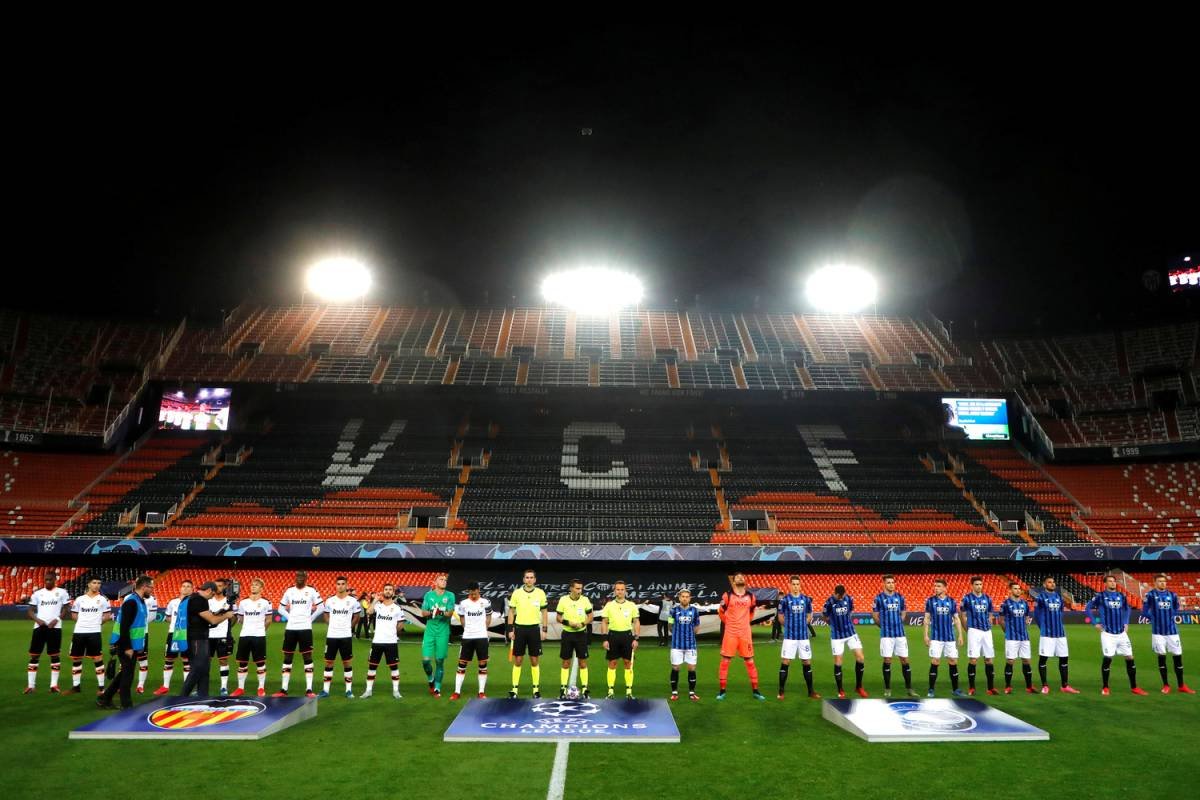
338, 279
841, 289
592, 290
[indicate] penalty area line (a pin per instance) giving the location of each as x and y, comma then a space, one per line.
558, 775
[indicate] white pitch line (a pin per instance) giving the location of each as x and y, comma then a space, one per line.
558, 776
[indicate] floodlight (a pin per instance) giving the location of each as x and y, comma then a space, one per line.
592, 290
338, 279
840, 289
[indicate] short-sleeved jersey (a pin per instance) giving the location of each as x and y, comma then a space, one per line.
218, 605
796, 611
443, 602
1048, 614
737, 611
840, 615
684, 622
151, 609
475, 615
890, 608
621, 615
387, 617
574, 612
341, 611
1161, 608
527, 605
300, 605
253, 614
941, 611
48, 604
90, 611
171, 612
979, 611
1014, 613
1111, 610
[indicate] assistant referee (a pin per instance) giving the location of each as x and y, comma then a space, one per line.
528, 620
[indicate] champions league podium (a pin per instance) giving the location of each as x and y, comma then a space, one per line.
202, 718
937, 720
614, 721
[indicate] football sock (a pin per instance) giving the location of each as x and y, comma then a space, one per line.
1063, 672
887, 675
348, 674
723, 673
396, 678
783, 673
629, 679
224, 670
564, 675
1131, 671
100, 674
427, 665
1008, 673
837, 675
308, 676
933, 671
168, 671
1042, 668
243, 670
859, 669
971, 675
32, 670
1105, 667
535, 674
56, 665
261, 672
954, 676
675, 680
1027, 671
328, 674
1178, 669
612, 678
752, 670
482, 669
439, 672
1162, 668
989, 670
285, 674
906, 670
692, 681
459, 675
808, 677
516, 676
144, 670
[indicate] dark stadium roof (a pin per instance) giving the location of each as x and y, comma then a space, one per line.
985, 182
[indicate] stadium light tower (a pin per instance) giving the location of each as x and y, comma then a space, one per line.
841, 289
592, 290
338, 279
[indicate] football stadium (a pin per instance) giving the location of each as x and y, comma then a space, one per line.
571, 540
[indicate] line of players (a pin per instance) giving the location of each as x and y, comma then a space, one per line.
527, 618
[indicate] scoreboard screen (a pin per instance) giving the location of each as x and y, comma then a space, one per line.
975, 418
204, 409
1184, 278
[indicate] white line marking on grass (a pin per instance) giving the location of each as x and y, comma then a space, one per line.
558, 776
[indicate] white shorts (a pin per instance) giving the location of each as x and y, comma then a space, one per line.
893, 646
1115, 644
1015, 650
979, 643
840, 645
797, 648
680, 656
1166, 644
943, 649
1052, 646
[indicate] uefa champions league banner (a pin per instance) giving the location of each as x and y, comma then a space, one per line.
623, 721
762, 556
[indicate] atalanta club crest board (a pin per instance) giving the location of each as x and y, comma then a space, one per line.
236, 718
624, 721
937, 720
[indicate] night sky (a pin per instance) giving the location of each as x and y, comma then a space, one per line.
1027, 185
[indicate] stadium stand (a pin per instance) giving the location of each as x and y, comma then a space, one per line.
1137, 503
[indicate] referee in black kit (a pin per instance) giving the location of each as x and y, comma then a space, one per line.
199, 621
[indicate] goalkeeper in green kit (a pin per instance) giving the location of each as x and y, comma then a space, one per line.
436, 608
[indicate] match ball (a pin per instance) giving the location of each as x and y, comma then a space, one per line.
572, 693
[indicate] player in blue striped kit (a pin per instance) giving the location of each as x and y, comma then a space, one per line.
977, 612
1110, 610
683, 618
888, 612
1052, 636
943, 635
795, 611
839, 611
1015, 617
1160, 606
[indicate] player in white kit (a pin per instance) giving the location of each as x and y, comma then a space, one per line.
389, 623
342, 611
300, 603
219, 640
169, 655
255, 615
45, 610
143, 657
475, 613
90, 610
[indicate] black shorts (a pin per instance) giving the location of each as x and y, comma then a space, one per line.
473, 648
86, 644
48, 639
169, 654
343, 648
574, 643
384, 654
527, 639
297, 640
252, 648
620, 645
220, 648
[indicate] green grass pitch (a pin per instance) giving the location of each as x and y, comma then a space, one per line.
1118, 746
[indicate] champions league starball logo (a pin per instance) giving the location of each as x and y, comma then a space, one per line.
917, 717
564, 710
203, 713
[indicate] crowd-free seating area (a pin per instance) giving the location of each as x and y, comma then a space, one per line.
1137, 503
